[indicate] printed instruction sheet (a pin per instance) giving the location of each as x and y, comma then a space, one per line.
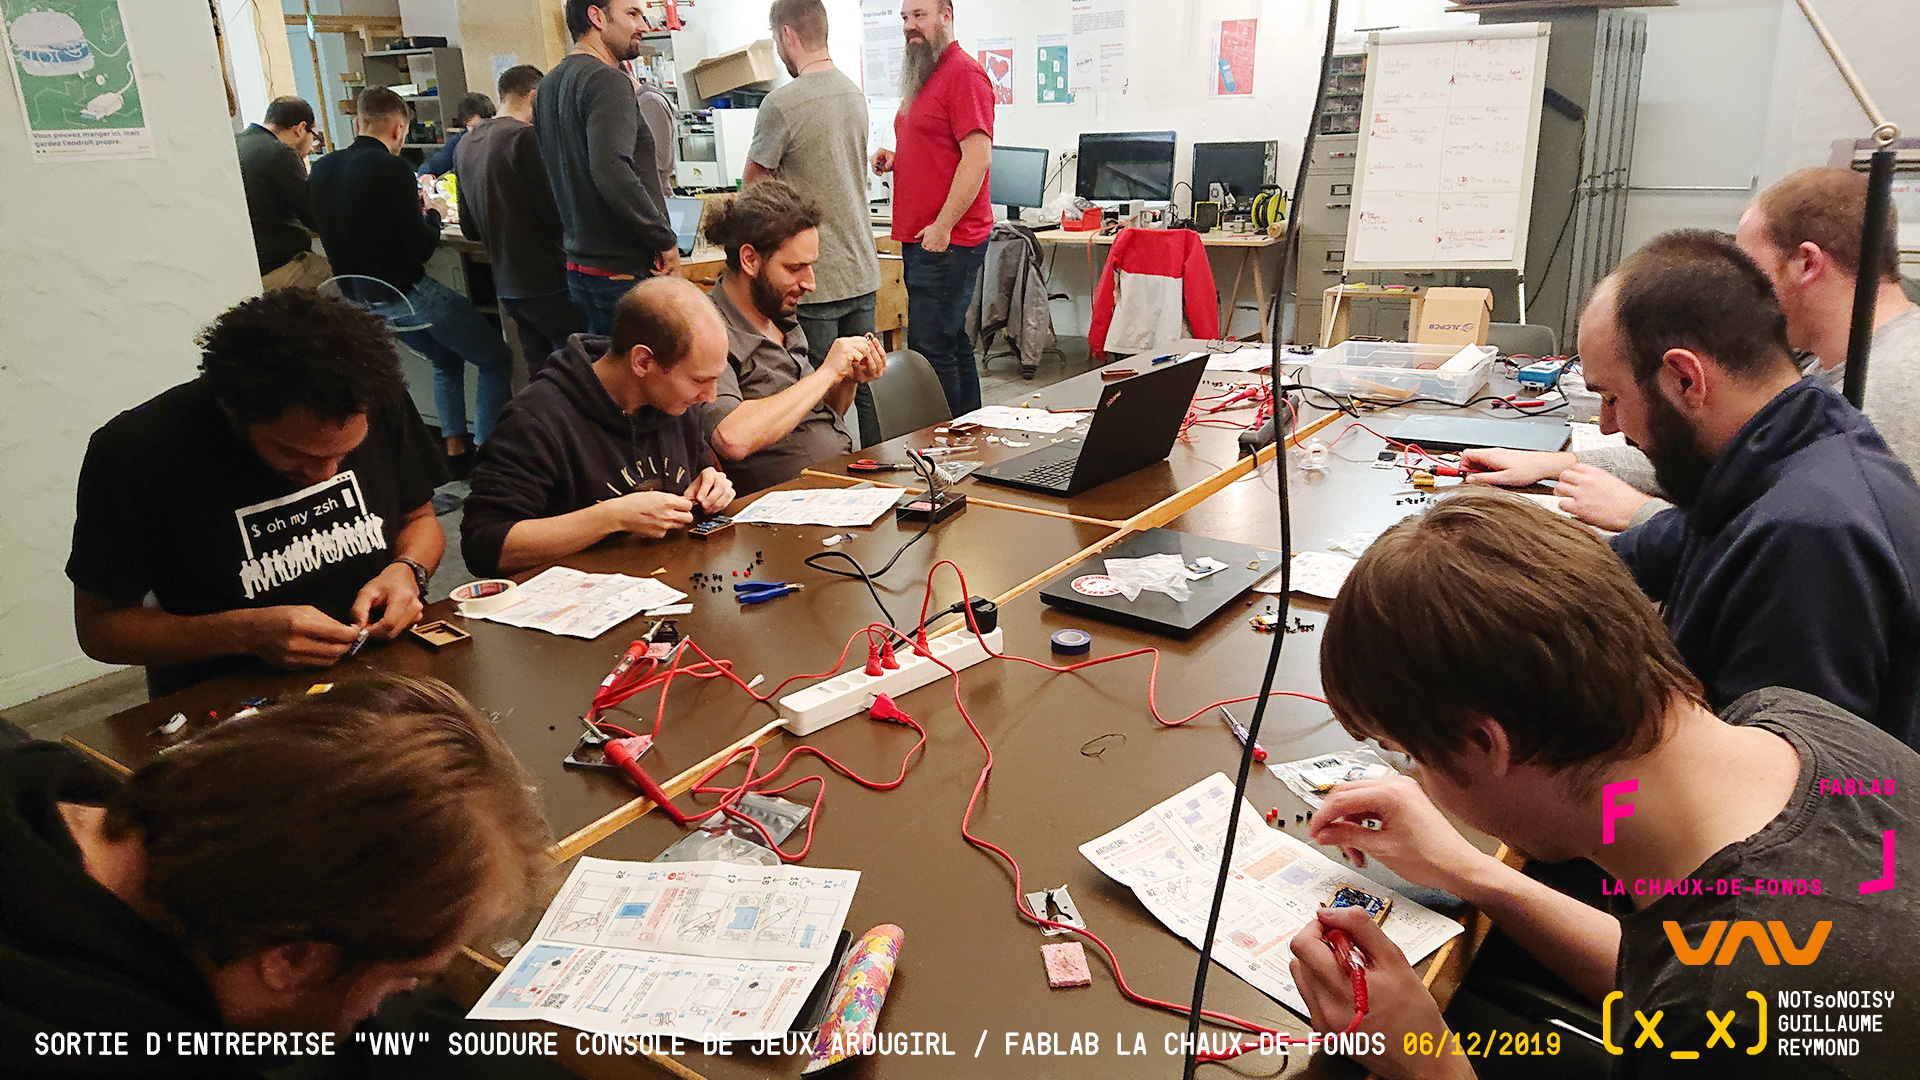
573, 603
1170, 856
841, 506
691, 949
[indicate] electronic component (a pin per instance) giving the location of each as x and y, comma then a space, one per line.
1540, 375
1376, 907
703, 529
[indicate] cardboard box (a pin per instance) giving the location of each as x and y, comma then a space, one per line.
741, 67
1451, 316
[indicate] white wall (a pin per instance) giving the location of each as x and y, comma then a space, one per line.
107, 269
438, 17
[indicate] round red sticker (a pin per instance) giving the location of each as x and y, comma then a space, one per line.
1096, 585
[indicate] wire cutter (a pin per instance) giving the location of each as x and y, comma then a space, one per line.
870, 465
759, 592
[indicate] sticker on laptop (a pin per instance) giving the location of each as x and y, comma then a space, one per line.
1096, 585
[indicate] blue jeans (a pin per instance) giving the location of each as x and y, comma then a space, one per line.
939, 287
824, 324
596, 296
456, 335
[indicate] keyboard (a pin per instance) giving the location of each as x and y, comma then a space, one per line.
1052, 474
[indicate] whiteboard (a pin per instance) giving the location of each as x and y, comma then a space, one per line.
1444, 177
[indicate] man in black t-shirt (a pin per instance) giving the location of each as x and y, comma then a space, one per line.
277, 507
1747, 855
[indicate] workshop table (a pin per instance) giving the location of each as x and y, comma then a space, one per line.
538, 684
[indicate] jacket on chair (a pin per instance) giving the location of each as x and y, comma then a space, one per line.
1153, 278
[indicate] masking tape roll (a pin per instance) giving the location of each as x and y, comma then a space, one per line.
481, 597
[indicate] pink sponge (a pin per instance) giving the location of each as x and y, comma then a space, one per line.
1066, 965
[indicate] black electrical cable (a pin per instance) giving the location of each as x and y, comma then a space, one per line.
1191, 1063
922, 466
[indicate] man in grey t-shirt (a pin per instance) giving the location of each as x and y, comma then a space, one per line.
1804, 233
812, 133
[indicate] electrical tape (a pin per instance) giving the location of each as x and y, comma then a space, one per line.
1072, 642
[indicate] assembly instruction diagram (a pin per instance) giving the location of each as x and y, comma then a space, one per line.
697, 949
1170, 856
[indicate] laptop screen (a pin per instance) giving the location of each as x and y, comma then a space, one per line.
684, 215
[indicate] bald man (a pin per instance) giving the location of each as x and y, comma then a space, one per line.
608, 439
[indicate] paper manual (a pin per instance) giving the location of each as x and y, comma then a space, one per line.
562, 600
1170, 856
1009, 418
690, 949
843, 507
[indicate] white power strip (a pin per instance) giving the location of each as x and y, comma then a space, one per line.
822, 704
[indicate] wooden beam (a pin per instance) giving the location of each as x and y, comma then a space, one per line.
382, 25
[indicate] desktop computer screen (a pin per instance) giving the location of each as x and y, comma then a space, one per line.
1125, 165
1243, 168
1017, 178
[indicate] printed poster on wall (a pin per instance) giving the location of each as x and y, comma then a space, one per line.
73, 68
996, 55
1233, 57
1097, 45
1051, 70
883, 48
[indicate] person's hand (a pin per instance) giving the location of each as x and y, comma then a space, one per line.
712, 490
396, 596
935, 237
1599, 498
651, 514
439, 206
1413, 839
667, 262
882, 161
1512, 468
1397, 1004
298, 636
858, 358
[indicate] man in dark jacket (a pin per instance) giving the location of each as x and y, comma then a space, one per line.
373, 226
606, 440
246, 880
273, 170
507, 204
1793, 555
600, 157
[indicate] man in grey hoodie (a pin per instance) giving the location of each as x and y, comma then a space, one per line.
609, 438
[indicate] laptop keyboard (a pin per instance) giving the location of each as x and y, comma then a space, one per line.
1052, 474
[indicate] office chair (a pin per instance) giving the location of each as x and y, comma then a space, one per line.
1525, 339
908, 397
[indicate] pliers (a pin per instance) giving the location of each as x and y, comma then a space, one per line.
870, 465
759, 592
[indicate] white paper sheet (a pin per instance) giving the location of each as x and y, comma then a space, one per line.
820, 506
1316, 573
572, 603
690, 949
1169, 856
1308, 776
1588, 437
1008, 418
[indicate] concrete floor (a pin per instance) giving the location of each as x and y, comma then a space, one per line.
55, 714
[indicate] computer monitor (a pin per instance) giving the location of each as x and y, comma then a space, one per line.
1242, 168
1116, 165
1018, 178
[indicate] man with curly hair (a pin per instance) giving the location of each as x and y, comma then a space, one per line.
275, 509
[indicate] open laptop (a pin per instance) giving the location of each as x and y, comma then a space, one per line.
1133, 426
684, 214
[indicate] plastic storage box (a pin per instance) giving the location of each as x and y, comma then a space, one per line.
1393, 370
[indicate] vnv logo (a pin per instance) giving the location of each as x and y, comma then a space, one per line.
1728, 943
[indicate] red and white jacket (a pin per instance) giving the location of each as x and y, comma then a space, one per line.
1152, 278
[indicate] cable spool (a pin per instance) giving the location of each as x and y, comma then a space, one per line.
1269, 208
1072, 642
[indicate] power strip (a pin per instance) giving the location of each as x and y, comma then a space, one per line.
823, 704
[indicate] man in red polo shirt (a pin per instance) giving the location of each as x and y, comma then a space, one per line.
944, 131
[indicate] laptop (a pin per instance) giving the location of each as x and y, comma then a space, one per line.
1086, 590
1133, 426
1442, 434
684, 215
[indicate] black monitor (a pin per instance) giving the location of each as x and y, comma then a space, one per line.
1243, 168
1018, 178
1125, 165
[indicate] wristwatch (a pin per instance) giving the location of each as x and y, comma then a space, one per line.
420, 574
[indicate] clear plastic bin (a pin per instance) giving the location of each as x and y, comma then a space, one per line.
1395, 369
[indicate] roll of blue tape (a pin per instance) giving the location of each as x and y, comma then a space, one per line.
1072, 642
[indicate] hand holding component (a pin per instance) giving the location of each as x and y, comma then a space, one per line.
1512, 468
652, 514
297, 636
1599, 498
759, 592
711, 490
1326, 953
1413, 839
395, 596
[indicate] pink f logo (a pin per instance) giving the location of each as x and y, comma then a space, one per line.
1610, 810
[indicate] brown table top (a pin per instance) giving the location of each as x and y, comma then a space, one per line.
538, 684
1144, 498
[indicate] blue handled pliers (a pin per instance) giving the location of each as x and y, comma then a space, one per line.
759, 592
